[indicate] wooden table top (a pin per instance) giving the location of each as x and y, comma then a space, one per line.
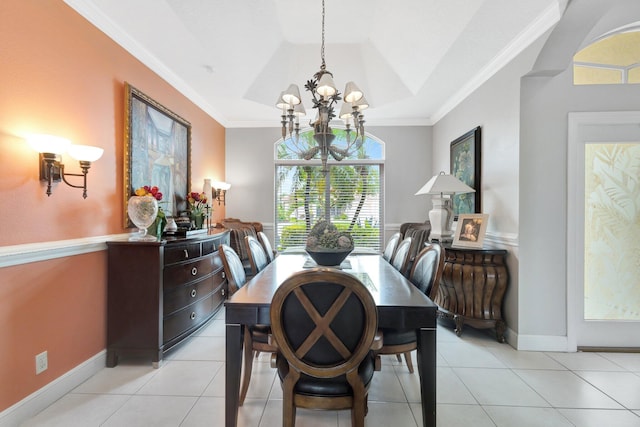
388, 287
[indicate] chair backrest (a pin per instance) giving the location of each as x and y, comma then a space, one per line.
257, 258
233, 268
400, 260
391, 247
324, 321
266, 245
427, 269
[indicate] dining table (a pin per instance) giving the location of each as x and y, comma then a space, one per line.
400, 305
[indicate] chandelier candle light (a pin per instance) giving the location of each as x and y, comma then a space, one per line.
325, 98
441, 216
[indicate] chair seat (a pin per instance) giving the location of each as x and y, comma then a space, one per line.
333, 387
397, 336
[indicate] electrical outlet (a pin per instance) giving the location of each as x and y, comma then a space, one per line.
41, 362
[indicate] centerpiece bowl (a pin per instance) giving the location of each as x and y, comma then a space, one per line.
327, 246
328, 257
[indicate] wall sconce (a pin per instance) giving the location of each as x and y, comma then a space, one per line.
220, 191
52, 169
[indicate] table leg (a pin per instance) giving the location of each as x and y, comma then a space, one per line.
232, 378
427, 370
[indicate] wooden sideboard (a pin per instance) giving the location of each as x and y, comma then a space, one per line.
159, 293
472, 288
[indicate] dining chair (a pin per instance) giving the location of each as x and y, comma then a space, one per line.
400, 260
266, 245
391, 246
425, 275
324, 322
257, 257
256, 337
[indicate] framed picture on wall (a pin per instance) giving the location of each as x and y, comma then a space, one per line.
466, 166
157, 151
471, 230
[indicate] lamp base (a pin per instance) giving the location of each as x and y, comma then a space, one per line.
441, 219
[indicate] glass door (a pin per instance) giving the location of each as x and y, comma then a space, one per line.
604, 230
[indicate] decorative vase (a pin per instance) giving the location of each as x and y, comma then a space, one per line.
198, 219
142, 211
171, 226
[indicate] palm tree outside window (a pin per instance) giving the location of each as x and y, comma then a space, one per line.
349, 194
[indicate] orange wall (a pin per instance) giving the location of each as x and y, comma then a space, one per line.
60, 75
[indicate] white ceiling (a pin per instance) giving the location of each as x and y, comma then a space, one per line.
414, 59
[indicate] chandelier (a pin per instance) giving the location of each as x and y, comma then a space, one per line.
325, 99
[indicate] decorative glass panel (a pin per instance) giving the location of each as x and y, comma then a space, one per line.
612, 232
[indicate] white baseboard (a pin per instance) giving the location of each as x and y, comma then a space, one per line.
36, 402
539, 342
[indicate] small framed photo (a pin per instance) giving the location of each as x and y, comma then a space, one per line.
471, 230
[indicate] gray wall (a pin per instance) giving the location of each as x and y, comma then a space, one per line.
548, 95
250, 171
495, 106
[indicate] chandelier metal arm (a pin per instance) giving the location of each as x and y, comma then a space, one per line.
325, 98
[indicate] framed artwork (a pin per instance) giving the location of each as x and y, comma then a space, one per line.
471, 230
465, 165
157, 151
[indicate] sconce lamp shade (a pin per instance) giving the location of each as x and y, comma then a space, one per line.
85, 153
280, 103
48, 143
219, 185
441, 216
444, 184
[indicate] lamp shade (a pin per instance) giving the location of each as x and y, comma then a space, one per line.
292, 95
444, 184
221, 186
346, 111
326, 87
361, 104
280, 104
48, 143
352, 93
85, 153
299, 110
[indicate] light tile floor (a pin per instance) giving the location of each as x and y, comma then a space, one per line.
481, 383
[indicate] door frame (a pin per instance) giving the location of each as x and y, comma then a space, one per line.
575, 208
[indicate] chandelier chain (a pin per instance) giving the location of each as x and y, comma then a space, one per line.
323, 66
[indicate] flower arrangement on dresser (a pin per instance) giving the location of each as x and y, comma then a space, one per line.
198, 207
146, 214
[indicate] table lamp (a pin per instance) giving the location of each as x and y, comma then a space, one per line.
441, 216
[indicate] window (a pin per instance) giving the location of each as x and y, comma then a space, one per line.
349, 194
611, 60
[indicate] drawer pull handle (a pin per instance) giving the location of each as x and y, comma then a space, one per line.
223, 275
222, 292
193, 315
194, 271
186, 254
193, 293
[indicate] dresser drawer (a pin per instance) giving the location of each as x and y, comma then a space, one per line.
187, 318
181, 252
183, 296
180, 274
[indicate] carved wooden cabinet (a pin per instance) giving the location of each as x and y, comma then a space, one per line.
159, 293
472, 288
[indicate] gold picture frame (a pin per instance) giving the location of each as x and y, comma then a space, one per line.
471, 230
157, 152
